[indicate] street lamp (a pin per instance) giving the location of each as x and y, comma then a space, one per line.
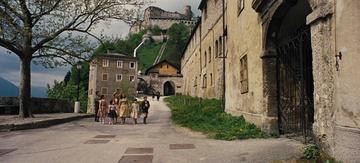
77, 103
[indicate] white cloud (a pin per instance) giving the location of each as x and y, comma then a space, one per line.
38, 79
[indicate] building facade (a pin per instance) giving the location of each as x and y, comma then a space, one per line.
202, 59
165, 78
155, 16
109, 72
290, 68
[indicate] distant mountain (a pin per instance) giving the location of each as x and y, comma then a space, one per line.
9, 89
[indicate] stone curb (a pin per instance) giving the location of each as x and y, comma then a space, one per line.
42, 123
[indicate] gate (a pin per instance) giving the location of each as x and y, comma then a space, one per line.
295, 84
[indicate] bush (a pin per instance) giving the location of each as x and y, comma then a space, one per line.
207, 116
311, 152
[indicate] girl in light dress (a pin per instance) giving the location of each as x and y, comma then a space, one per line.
124, 109
135, 113
102, 109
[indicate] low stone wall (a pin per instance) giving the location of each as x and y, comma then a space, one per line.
38, 105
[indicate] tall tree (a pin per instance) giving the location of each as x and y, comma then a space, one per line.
46, 30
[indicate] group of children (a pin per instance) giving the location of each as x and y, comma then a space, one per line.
119, 108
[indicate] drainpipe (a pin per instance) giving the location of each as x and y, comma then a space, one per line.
224, 55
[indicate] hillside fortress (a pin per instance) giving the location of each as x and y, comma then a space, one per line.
155, 16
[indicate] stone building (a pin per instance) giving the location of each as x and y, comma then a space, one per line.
164, 77
291, 68
155, 16
202, 59
109, 72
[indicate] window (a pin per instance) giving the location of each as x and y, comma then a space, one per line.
211, 79
119, 64
195, 81
104, 90
105, 63
167, 66
132, 78
104, 76
132, 65
209, 54
216, 48
118, 77
205, 59
241, 5
244, 82
220, 46
204, 81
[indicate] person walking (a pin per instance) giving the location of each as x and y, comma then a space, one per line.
96, 107
124, 109
102, 109
158, 96
145, 105
135, 111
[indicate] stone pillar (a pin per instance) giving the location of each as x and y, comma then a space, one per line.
322, 41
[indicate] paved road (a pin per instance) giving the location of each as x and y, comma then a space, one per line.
76, 142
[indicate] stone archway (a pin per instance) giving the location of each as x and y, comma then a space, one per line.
169, 88
287, 66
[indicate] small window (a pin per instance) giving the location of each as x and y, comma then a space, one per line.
105, 63
209, 54
132, 78
118, 77
132, 65
104, 91
216, 48
205, 59
241, 5
119, 64
104, 76
244, 82
167, 66
211, 79
204, 81
220, 46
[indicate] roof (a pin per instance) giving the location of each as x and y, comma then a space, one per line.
115, 55
202, 4
163, 61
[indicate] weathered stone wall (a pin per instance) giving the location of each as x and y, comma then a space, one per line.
41, 105
245, 39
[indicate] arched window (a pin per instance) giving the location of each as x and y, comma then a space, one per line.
211, 79
216, 48
209, 54
205, 59
204, 81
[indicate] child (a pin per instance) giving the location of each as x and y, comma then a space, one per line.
102, 109
135, 114
112, 112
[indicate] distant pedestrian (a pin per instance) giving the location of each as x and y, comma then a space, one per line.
135, 111
153, 96
158, 96
102, 109
145, 105
96, 105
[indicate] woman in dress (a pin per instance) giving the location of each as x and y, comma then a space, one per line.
135, 113
102, 109
124, 109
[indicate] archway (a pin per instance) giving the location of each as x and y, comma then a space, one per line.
169, 88
289, 39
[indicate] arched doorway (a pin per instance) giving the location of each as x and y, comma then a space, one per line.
289, 38
169, 88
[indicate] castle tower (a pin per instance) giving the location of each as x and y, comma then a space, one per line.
188, 13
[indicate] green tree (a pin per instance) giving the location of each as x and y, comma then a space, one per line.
45, 30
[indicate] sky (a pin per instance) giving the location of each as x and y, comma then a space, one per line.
40, 76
